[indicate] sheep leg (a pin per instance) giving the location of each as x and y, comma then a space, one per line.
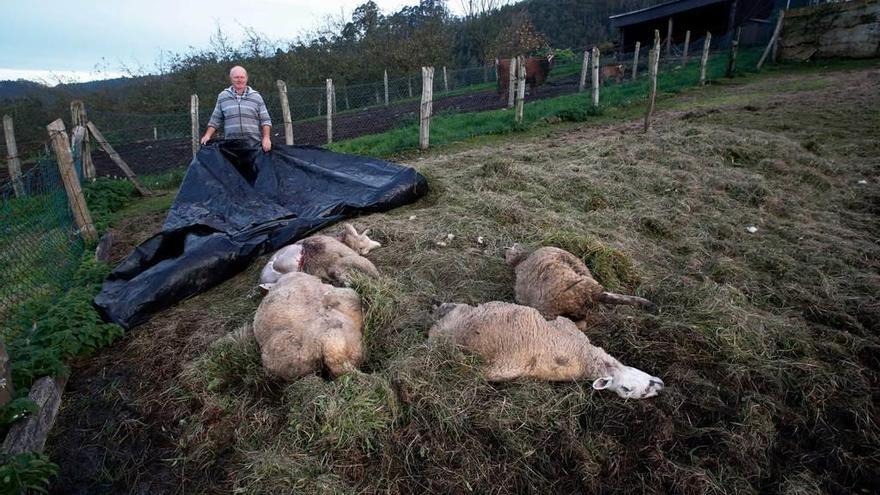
495, 373
612, 298
356, 264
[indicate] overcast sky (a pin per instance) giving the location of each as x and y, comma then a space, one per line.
46, 40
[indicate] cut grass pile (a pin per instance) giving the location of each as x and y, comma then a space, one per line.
767, 341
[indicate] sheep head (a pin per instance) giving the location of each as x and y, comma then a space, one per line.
359, 242
516, 254
630, 383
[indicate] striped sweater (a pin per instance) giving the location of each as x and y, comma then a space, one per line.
240, 116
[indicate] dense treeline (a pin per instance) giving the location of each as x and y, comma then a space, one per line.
350, 51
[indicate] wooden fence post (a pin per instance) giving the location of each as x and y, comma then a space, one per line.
771, 45
78, 117
636, 60
194, 120
654, 59
12, 159
426, 107
155, 134
6, 389
511, 89
734, 47
29, 434
445, 81
687, 44
386, 87
520, 88
585, 67
705, 58
409, 85
595, 77
285, 111
330, 110
75, 198
669, 38
114, 156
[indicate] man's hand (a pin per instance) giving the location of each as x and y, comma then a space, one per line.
204, 139
267, 144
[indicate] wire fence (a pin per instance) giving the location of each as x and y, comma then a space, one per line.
39, 242
40, 246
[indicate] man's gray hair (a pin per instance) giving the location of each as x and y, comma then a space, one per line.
237, 67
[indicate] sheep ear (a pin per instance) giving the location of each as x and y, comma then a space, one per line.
603, 383
350, 229
266, 287
366, 232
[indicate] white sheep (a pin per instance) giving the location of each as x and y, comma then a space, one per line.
304, 326
517, 342
332, 259
558, 283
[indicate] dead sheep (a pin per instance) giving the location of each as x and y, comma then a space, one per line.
517, 342
332, 259
304, 326
558, 283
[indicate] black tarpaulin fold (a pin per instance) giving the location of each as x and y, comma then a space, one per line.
237, 203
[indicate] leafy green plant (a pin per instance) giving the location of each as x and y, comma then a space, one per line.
104, 196
28, 472
15, 410
46, 331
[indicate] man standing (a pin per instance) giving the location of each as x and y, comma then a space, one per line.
241, 111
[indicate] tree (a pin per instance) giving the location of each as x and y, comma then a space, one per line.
518, 38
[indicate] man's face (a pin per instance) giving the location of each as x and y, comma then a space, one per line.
239, 79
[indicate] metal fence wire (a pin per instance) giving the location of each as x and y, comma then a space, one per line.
40, 246
39, 243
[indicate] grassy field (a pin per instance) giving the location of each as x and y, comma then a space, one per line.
767, 341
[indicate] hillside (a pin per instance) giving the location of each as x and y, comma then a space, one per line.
767, 344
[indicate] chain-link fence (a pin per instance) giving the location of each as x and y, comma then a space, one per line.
40, 246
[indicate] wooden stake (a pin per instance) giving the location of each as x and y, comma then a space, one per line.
595, 77
520, 88
773, 39
117, 159
636, 60
705, 58
75, 198
78, 117
654, 59
669, 38
155, 134
585, 67
734, 48
330, 111
426, 107
12, 159
6, 390
409, 85
386, 87
511, 89
194, 121
445, 81
285, 111
29, 435
687, 44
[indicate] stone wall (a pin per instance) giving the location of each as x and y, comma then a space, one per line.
847, 29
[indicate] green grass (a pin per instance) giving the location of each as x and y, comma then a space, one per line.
766, 341
447, 128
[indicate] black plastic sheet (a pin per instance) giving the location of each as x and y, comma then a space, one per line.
237, 203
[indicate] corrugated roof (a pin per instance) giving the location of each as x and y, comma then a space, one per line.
659, 11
